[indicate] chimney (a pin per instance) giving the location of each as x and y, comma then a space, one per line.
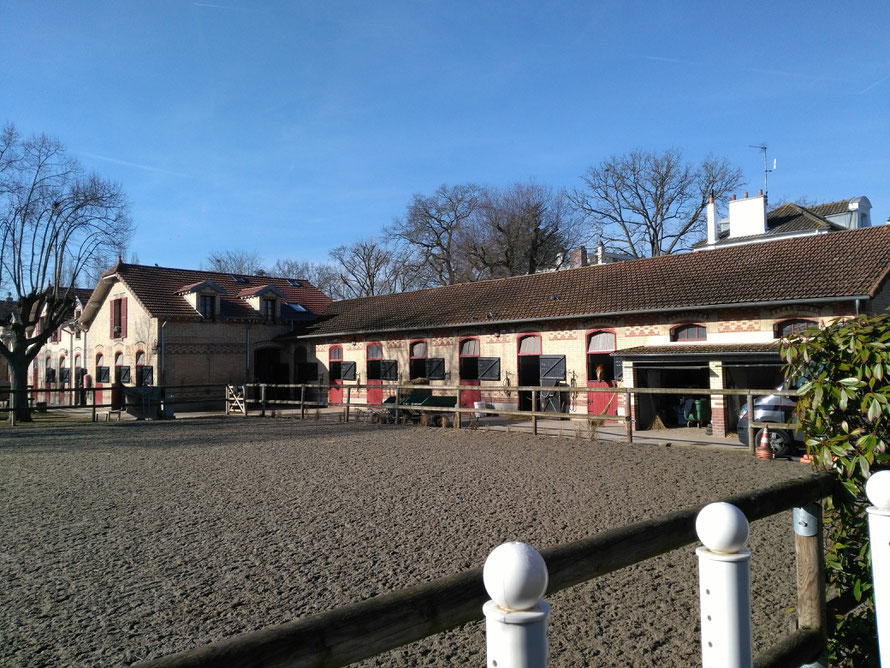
747, 216
711, 212
578, 258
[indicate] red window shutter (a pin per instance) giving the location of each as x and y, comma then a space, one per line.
111, 319
124, 318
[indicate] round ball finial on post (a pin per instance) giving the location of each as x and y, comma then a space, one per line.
722, 527
877, 489
515, 576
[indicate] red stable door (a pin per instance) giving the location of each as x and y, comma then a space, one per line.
601, 373
375, 356
335, 373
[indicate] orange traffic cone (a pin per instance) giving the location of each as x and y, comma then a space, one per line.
763, 450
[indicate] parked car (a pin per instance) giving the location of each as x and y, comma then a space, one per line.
773, 408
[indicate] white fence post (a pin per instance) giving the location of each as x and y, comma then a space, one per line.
878, 491
725, 589
515, 576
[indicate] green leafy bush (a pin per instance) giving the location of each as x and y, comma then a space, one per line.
844, 375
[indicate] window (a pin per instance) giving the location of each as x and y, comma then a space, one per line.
119, 318
600, 365
207, 306
268, 310
601, 342
294, 283
530, 345
238, 278
417, 365
689, 333
389, 369
792, 327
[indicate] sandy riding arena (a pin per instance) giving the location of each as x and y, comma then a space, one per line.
126, 541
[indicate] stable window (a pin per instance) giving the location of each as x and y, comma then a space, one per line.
530, 345
600, 365
144, 375
691, 332
435, 368
121, 372
489, 368
792, 327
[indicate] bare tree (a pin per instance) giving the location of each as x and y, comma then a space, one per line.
433, 226
236, 262
321, 274
521, 229
365, 268
650, 204
54, 220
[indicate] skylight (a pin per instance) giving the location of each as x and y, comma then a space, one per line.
239, 278
294, 283
299, 308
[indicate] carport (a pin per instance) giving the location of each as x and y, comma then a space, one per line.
700, 366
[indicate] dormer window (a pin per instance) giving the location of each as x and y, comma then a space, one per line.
119, 318
689, 333
207, 306
268, 309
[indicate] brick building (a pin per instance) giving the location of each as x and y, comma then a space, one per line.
145, 325
707, 319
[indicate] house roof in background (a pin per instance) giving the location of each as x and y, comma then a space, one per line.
159, 290
843, 264
789, 219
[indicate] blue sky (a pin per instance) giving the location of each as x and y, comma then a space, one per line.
288, 128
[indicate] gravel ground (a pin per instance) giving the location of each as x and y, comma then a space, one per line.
132, 540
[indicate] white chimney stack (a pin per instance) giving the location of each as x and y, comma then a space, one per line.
711, 210
747, 216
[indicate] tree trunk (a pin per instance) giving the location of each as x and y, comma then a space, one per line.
19, 409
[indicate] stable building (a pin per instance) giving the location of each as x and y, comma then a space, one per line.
147, 325
707, 319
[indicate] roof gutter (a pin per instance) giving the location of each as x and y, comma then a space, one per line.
581, 316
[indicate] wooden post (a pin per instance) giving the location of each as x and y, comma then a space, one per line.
398, 402
302, 402
263, 400
628, 416
346, 407
94, 404
752, 446
534, 410
244, 399
810, 569
457, 411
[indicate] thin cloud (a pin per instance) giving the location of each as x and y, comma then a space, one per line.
875, 84
126, 163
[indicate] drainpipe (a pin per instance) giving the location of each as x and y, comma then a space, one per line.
162, 372
247, 354
857, 306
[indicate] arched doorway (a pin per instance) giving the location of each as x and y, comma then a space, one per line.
468, 357
528, 366
268, 368
601, 373
335, 374
374, 376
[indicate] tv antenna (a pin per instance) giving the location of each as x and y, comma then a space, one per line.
766, 169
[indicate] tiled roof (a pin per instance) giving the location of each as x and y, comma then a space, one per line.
841, 264
708, 349
157, 290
